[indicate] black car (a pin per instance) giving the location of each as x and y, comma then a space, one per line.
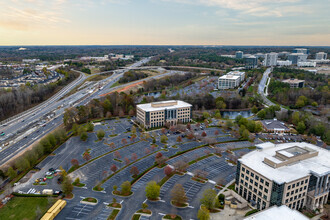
36, 168
51, 170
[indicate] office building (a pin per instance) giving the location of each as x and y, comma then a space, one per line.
306, 64
295, 83
297, 57
251, 62
284, 63
321, 56
292, 174
231, 80
276, 213
275, 126
301, 50
158, 114
270, 59
239, 55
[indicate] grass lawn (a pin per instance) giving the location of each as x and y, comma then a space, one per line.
90, 199
25, 208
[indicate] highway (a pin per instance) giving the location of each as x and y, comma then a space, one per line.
262, 86
57, 106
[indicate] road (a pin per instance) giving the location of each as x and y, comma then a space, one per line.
57, 106
262, 85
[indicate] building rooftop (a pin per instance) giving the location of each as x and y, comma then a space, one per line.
157, 106
293, 81
275, 213
229, 77
273, 161
274, 125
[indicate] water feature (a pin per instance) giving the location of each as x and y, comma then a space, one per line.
234, 114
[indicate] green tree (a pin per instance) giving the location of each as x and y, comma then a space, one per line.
203, 213
295, 118
206, 115
314, 104
243, 121
100, 134
301, 101
301, 127
251, 126
221, 105
152, 190
258, 127
22, 164
107, 106
163, 138
11, 173
84, 136
245, 134
254, 109
261, 114
89, 127
238, 118
209, 199
125, 188
67, 186
229, 124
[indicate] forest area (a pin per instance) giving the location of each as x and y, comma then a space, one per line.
16, 100
316, 91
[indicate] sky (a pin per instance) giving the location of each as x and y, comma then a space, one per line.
165, 22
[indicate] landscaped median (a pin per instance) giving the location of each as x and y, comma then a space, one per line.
89, 201
172, 217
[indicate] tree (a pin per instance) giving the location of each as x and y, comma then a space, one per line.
163, 139
181, 166
178, 195
89, 127
203, 213
245, 134
125, 188
84, 136
261, 114
301, 127
67, 186
206, 115
152, 190
229, 124
168, 170
295, 118
74, 162
189, 126
216, 132
254, 109
221, 105
127, 161
22, 164
117, 154
179, 139
209, 199
100, 134
11, 173
163, 130
86, 156
134, 156
124, 141
204, 134
134, 171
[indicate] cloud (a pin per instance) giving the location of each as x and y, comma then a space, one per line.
23, 15
258, 8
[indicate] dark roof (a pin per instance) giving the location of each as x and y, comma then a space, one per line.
274, 124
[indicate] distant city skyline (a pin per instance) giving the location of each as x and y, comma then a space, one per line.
165, 22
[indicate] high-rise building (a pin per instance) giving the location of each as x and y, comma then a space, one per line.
270, 59
251, 61
291, 174
158, 114
297, 57
321, 56
239, 55
301, 50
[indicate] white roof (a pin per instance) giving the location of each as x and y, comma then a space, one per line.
180, 104
319, 164
275, 213
229, 77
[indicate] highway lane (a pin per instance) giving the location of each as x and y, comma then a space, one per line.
59, 105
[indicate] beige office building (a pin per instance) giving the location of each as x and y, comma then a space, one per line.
158, 114
292, 174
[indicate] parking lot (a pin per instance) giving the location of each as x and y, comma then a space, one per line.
121, 154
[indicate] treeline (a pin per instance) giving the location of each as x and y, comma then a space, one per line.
132, 76
305, 123
298, 97
311, 79
16, 100
166, 82
114, 104
32, 157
